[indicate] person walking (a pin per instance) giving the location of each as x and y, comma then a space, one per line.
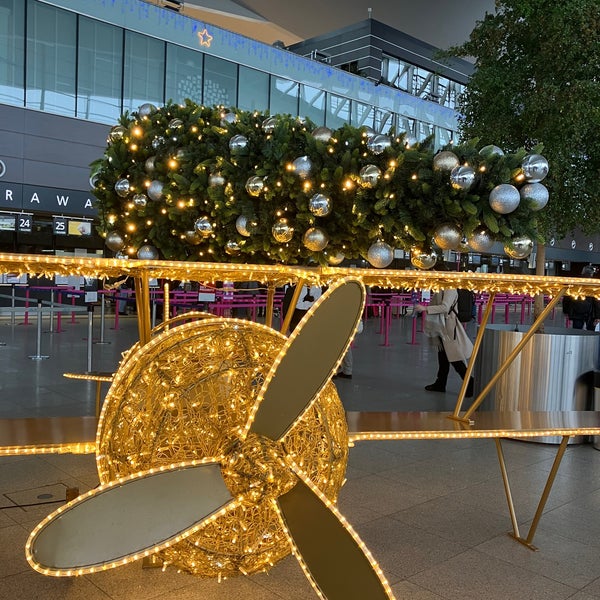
453, 345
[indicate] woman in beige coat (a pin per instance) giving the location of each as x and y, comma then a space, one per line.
454, 346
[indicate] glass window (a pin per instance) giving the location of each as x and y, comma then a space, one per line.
12, 54
184, 74
284, 96
220, 82
144, 71
383, 121
312, 104
100, 65
338, 111
51, 37
362, 114
253, 89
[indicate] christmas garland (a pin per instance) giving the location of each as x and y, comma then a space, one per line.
189, 182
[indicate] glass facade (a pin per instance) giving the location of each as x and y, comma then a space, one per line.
55, 60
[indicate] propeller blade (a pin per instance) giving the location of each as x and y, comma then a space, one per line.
127, 519
331, 553
307, 359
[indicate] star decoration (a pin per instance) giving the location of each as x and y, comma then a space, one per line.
205, 38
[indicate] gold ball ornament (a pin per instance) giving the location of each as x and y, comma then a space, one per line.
238, 143
370, 175
155, 190
447, 236
315, 239
445, 161
480, 240
379, 143
255, 185
185, 396
282, 231
150, 164
175, 124
232, 248
245, 225
462, 178
504, 198
322, 134
536, 194
122, 187
203, 227
114, 241
519, 247
380, 255
147, 252
116, 133
146, 110
192, 237
140, 200
216, 180
269, 124
335, 258
302, 167
319, 205
421, 259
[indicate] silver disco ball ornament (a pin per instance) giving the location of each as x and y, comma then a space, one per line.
535, 168
140, 200
192, 237
282, 231
228, 118
203, 227
116, 133
323, 134
157, 142
369, 132
445, 161
380, 255
114, 241
122, 187
150, 164
175, 123
480, 240
93, 181
269, 124
491, 150
155, 190
536, 194
238, 143
379, 143
245, 225
462, 178
232, 248
422, 260
302, 167
145, 110
447, 236
504, 198
319, 205
255, 185
147, 252
370, 175
216, 180
315, 239
335, 258
519, 247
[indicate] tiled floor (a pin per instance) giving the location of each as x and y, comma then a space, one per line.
432, 513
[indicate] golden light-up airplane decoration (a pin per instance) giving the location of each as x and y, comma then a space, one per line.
222, 446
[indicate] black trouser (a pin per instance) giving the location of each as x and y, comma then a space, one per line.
444, 368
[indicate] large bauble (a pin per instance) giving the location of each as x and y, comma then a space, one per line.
228, 118
150, 164
323, 134
255, 185
421, 259
480, 240
335, 258
93, 181
282, 231
192, 237
535, 168
268, 125
145, 110
114, 241
315, 239
519, 247
203, 226
147, 252
140, 200
370, 175
238, 143
175, 123
491, 150
380, 255
504, 198
536, 194
379, 143
122, 187
232, 248
447, 236
462, 178
155, 190
319, 205
216, 180
245, 225
116, 133
445, 161
302, 167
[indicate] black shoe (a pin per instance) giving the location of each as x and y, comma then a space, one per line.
435, 387
342, 375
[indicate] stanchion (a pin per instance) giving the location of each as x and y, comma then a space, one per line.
59, 314
39, 355
102, 314
89, 338
73, 312
26, 319
51, 328
12, 305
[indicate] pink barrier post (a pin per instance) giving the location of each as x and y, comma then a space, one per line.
523, 311
386, 321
